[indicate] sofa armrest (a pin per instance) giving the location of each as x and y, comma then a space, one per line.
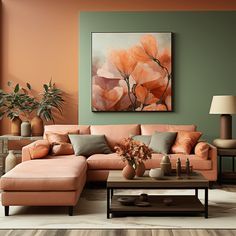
213, 156
26, 154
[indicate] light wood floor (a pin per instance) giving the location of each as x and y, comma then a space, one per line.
118, 232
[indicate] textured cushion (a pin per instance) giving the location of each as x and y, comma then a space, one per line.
150, 129
146, 139
115, 133
46, 175
185, 142
62, 149
202, 150
60, 137
161, 142
87, 145
39, 149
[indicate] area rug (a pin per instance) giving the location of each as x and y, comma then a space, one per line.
90, 213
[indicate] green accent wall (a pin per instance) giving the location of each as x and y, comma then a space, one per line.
204, 64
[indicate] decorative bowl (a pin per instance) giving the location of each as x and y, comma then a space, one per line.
127, 201
156, 173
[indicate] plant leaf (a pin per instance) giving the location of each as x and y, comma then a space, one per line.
28, 86
45, 87
17, 88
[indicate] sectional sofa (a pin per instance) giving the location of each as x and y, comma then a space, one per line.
59, 180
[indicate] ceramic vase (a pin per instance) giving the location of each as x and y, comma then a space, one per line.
140, 169
16, 126
128, 172
25, 129
10, 161
37, 126
166, 165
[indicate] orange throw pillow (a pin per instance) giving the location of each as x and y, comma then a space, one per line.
185, 142
39, 149
202, 150
60, 137
62, 149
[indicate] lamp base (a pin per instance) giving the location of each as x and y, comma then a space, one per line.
224, 143
226, 126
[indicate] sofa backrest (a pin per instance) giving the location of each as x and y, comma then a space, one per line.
115, 133
149, 129
83, 129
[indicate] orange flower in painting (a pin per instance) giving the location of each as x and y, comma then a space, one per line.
105, 100
165, 59
155, 107
124, 61
144, 96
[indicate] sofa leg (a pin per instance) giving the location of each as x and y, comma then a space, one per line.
70, 210
6, 208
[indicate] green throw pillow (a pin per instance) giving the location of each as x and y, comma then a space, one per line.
87, 145
161, 142
142, 138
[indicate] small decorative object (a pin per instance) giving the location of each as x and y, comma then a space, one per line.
10, 161
178, 169
25, 129
128, 171
166, 165
136, 69
156, 173
133, 152
168, 201
225, 106
16, 126
143, 197
187, 167
140, 169
126, 201
37, 126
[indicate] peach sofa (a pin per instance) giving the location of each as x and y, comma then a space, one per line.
59, 180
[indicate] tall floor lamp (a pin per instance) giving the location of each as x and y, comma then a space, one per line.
225, 106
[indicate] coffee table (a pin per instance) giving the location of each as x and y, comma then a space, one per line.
181, 204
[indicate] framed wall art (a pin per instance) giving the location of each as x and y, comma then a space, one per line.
131, 72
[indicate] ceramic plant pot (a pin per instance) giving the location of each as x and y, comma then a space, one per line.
25, 129
10, 161
37, 126
16, 126
128, 172
140, 169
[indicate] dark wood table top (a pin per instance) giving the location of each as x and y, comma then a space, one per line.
196, 180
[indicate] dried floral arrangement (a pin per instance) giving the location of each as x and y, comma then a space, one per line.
132, 151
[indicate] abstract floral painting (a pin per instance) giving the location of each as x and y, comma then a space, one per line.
131, 72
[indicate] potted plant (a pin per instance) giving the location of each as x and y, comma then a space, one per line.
50, 101
15, 103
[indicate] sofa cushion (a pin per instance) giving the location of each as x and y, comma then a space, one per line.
39, 149
202, 150
185, 142
62, 149
114, 162
147, 129
83, 129
105, 162
142, 138
161, 142
115, 133
87, 145
55, 138
46, 175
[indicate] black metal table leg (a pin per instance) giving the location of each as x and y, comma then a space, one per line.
206, 202
108, 203
6, 208
112, 190
220, 170
196, 192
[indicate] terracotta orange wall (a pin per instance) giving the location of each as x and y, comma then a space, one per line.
40, 40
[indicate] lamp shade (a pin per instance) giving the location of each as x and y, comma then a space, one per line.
223, 105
